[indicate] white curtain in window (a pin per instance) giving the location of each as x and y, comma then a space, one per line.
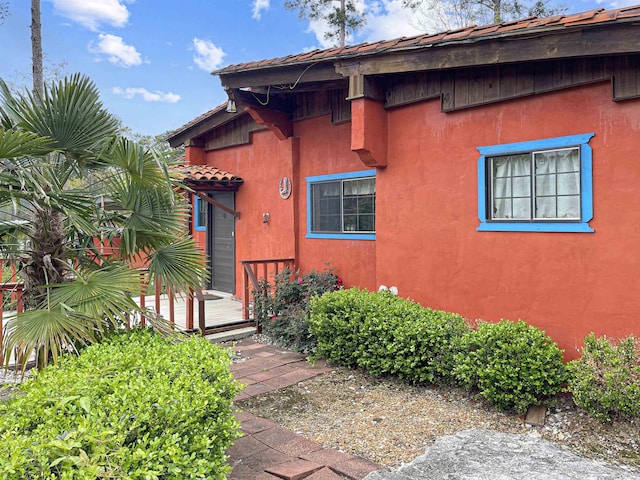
329, 189
512, 187
557, 180
365, 186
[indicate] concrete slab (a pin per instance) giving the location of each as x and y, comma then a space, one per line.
483, 454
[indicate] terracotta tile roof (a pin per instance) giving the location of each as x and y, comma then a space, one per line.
206, 174
475, 33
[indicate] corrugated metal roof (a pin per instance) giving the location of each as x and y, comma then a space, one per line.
524, 26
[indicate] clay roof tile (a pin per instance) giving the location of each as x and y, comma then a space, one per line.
205, 174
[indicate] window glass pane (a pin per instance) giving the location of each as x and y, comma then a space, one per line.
365, 186
343, 206
546, 207
501, 187
568, 183
511, 181
201, 216
569, 207
366, 223
325, 199
350, 205
545, 163
521, 209
502, 208
522, 187
545, 184
358, 204
568, 160
350, 223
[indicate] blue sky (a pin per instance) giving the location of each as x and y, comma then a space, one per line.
151, 59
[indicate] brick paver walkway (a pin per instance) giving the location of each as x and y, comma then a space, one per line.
267, 451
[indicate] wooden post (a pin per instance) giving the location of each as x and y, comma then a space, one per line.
189, 309
245, 296
157, 291
172, 317
143, 291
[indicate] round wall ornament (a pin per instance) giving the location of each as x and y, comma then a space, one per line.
284, 187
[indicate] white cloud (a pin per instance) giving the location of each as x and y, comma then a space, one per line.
92, 13
389, 20
208, 57
117, 52
146, 95
258, 7
385, 20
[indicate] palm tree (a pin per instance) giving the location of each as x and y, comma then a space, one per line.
86, 204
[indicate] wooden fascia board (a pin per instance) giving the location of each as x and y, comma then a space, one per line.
200, 128
224, 208
543, 45
282, 76
260, 100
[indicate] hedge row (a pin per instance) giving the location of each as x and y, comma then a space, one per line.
387, 335
605, 380
132, 407
511, 364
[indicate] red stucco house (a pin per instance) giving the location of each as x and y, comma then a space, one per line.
492, 171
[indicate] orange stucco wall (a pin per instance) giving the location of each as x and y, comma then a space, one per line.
427, 244
569, 284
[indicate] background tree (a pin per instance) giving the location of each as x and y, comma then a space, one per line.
342, 16
436, 15
4, 11
36, 49
76, 241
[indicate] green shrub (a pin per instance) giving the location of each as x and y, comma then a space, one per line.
387, 335
283, 308
133, 407
512, 365
605, 380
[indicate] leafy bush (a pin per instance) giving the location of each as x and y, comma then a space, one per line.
387, 335
133, 407
283, 309
605, 380
512, 365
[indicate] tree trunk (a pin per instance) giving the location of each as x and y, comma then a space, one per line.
36, 51
497, 11
342, 39
46, 259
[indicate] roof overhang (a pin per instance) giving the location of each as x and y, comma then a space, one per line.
206, 177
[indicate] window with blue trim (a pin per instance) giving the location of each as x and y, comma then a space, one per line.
342, 206
537, 186
200, 216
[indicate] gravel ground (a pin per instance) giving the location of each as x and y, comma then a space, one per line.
391, 423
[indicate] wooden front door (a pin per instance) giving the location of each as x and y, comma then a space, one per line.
221, 246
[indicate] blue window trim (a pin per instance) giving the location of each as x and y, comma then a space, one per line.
196, 215
586, 185
328, 178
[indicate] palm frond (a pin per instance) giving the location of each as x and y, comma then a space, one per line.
70, 113
180, 265
44, 332
103, 295
19, 144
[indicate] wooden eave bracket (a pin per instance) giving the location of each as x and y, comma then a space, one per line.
217, 204
276, 121
369, 131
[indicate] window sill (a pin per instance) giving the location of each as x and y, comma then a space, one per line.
535, 227
343, 236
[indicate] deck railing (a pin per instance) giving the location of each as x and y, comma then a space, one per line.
255, 272
192, 297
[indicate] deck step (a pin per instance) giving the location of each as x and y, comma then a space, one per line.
236, 334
